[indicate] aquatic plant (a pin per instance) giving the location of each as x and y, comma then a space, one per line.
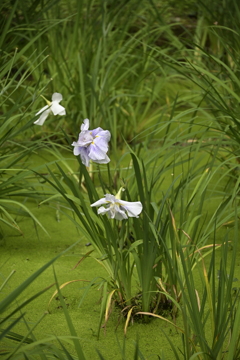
172, 111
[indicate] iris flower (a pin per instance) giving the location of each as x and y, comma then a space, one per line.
92, 144
117, 208
53, 107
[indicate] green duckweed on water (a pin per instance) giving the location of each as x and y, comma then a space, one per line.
162, 79
26, 252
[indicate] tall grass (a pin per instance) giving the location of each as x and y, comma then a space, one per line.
15, 345
210, 322
15, 118
101, 61
141, 256
171, 105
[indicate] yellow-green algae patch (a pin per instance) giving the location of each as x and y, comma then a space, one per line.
28, 252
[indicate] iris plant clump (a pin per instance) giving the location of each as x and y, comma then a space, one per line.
149, 261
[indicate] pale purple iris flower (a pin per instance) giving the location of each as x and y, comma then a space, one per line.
53, 107
117, 208
92, 144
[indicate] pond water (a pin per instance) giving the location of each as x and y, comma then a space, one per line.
27, 252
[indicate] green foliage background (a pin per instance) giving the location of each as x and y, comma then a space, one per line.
164, 79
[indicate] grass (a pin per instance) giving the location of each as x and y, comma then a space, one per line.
26, 255
168, 94
32, 254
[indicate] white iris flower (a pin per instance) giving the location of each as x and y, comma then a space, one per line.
117, 208
53, 107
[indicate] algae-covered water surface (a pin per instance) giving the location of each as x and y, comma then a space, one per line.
28, 252
119, 180
81, 281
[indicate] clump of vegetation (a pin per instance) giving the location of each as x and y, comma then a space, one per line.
160, 88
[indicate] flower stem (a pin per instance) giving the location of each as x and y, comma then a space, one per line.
47, 101
90, 170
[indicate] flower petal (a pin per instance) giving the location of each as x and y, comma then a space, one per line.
43, 109
43, 117
99, 202
85, 125
77, 149
95, 152
120, 215
82, 151
99, 132
106, 160
110, 198
102, 143
133, 208
57, 109
102, 210
57, 97
85, 138
63, 112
